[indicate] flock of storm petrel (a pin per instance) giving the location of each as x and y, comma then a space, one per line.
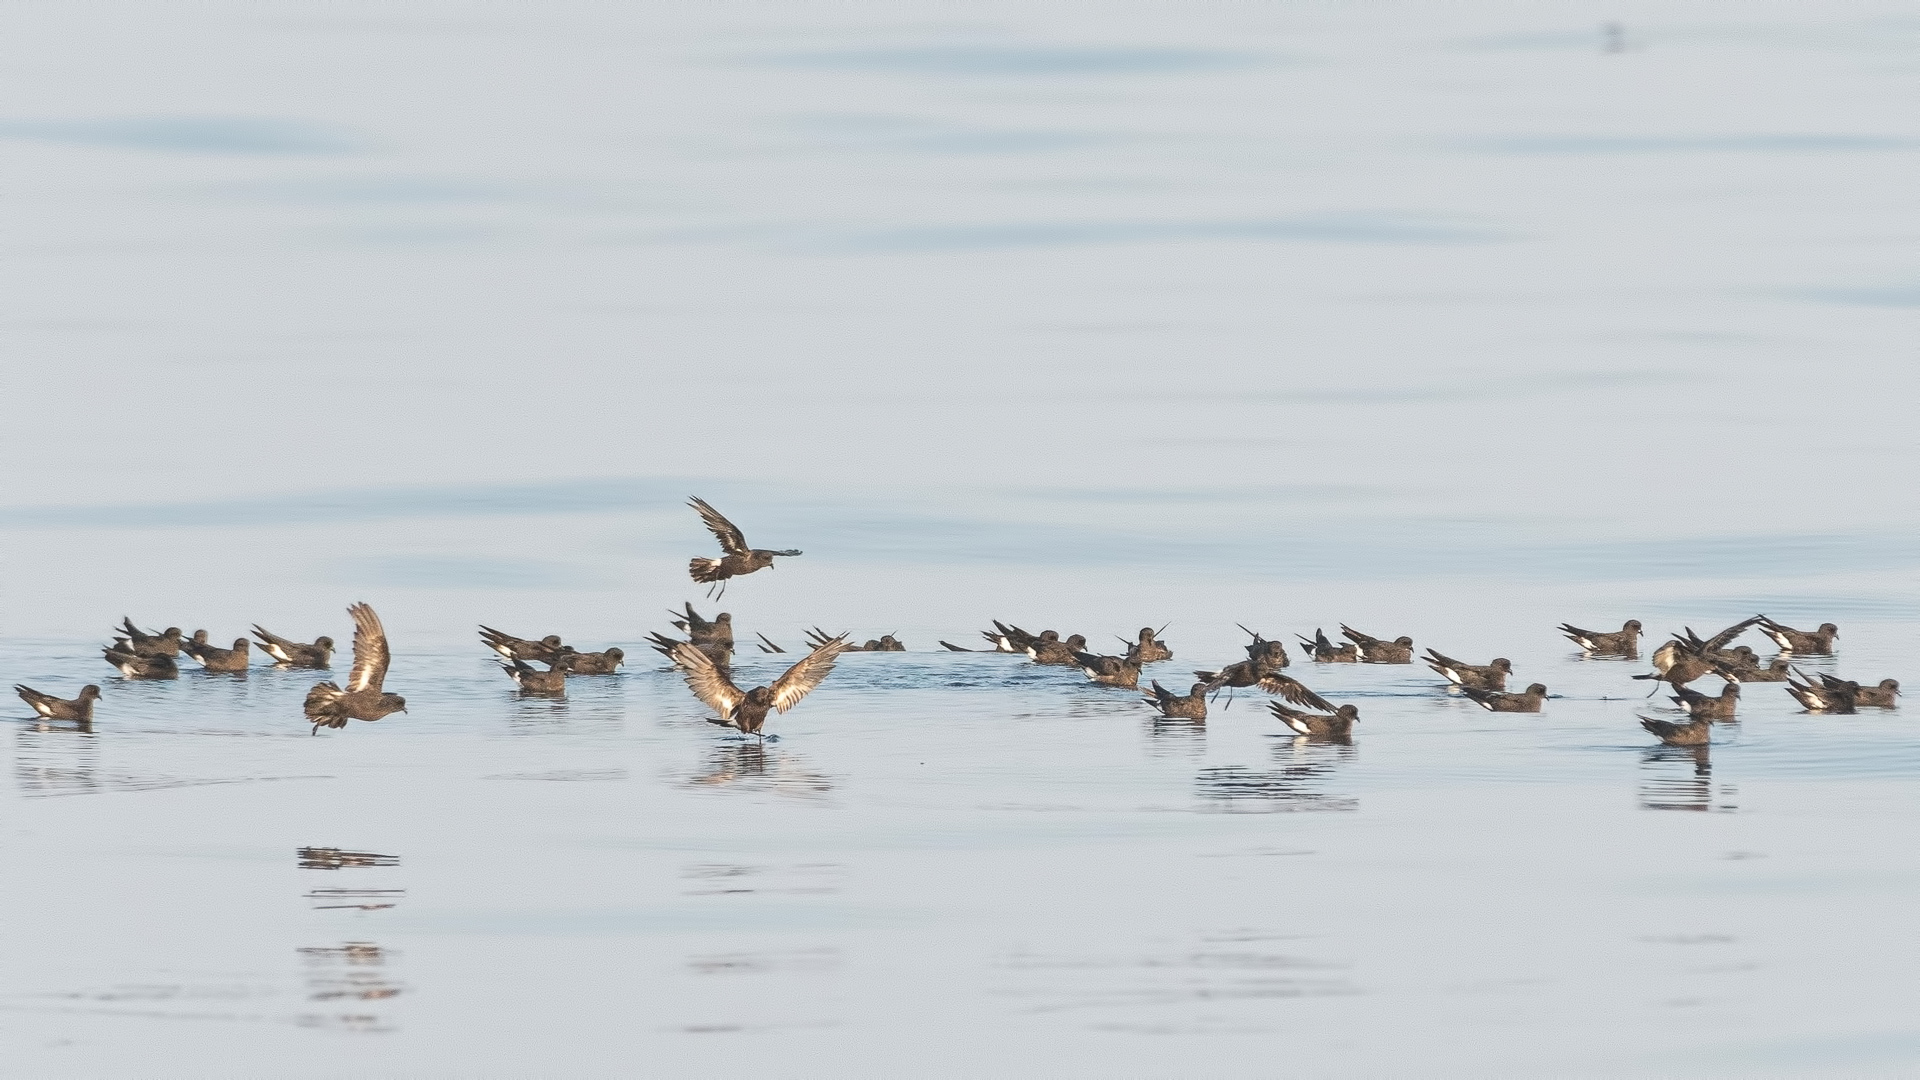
705, 658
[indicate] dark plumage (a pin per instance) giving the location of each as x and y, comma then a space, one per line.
1624, 642
1827, 695
364, 699
1267, 657
1374, 650
1012, 639
214, 658
1702, 707
134, 666
513, 648
1528, 701
717, 631
721, 656
1688, 656
1192, 706
1489, 676
1818, 643
532, 680
146, 644
951, 647
1780, 670
593, 663
1695, 732
1051, 650
1120, 671
1323, 651
1294, 690
1884, 696
1148, 648
1337, 728
767, 646
294, 653
885, 643
738, 558
52, 708
747, 710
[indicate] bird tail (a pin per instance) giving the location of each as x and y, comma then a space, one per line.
704, 570
320, 700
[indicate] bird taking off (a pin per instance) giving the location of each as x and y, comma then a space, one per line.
329, 706
747, 710
739, 558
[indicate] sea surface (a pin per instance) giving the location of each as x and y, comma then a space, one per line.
1449, 320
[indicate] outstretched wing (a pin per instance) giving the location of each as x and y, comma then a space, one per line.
1725, 637
1295, 691
370, 655
707, 681
810, 672
723, 530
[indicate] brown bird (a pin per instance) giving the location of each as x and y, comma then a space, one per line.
135, 666
767, 646
1490, 676
1336, 728
214, 658
1009, 638
721, 655
1269, 658
748, 710
1624, 642
1780, 670
1294, 690
1701, 707
951, 647
718, 631
293, 653
1499, 701
513, 648
1120, 671
1193, 706
329, 706
1148, 649
53, 708
817, 637
1818, 643
532, 680
1884, 696
594, 663
1373, 650
1271, 655
738, 558
142, 644
1695, 732
1828, 695
1051, 650
1323, 651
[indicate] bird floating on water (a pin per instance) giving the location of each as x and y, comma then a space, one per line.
214, 658
1622, 642
1191, 706
293, 653
52, 708
1528, 701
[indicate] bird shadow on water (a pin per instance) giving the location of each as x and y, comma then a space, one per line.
57, 759
751, 765
1299, 781
1681, 778
1176, 737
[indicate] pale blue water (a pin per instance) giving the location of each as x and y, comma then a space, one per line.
1440, 321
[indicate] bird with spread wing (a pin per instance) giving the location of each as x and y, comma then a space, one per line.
738, 558
329, 706
747, 710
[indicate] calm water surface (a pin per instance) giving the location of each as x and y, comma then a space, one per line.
1436, 320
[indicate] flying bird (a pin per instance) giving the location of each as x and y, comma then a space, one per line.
739, 558
293, 653
747, 710
329, 706
53, 708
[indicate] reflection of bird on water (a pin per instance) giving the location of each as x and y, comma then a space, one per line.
747, 710
1661, 790
53, 708
1624, 642
293, 653
1321, 649
1192, 706
757, 764
1501, 701
1375, 650
329, 706
1817, 643
737, 559
1489, 676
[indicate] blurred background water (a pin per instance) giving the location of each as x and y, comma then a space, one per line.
1448, 320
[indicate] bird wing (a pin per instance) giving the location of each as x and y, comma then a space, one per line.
1295, 691
270, 637
370, 654
810, 672
1356, 636
707, 681
731, 541
1724, 637
768, 645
